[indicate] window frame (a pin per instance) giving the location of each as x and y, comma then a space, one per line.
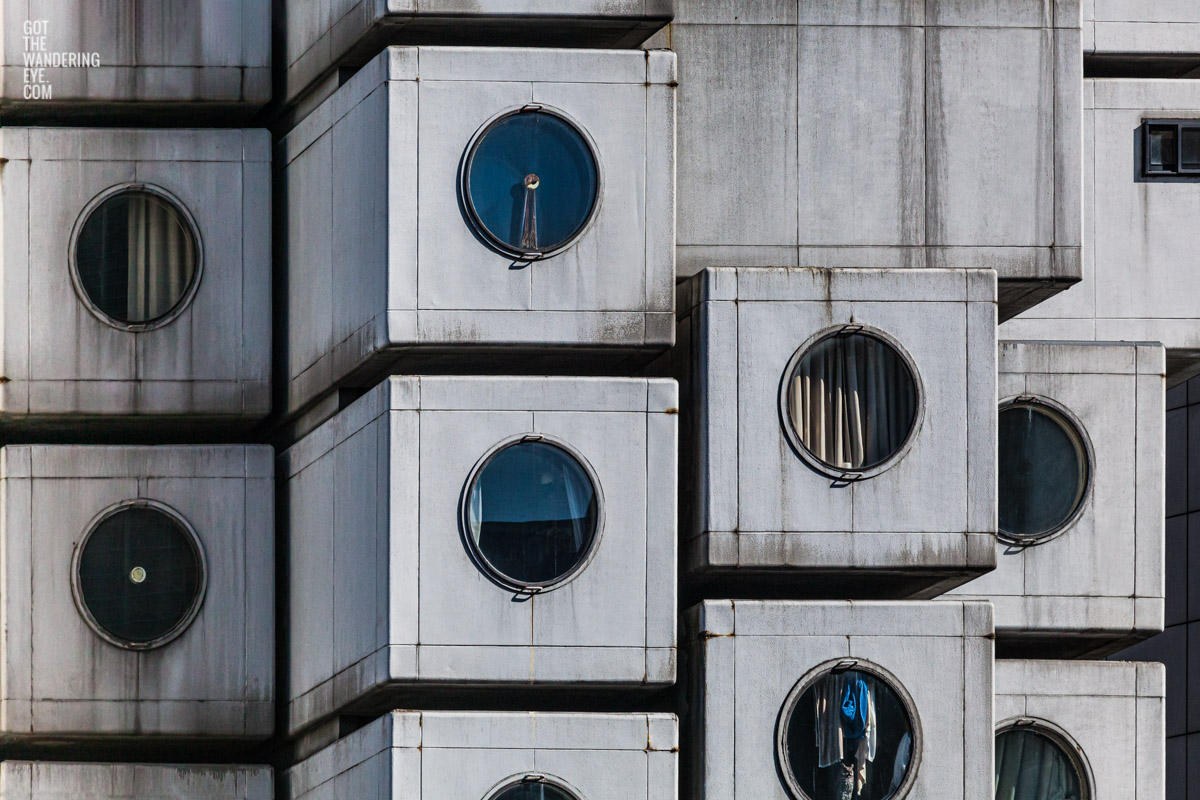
1076, 430
1178, 126
468, 205
808, 680
793, 435
1062, 740
189, 295
197, 602
464, 520
533, 776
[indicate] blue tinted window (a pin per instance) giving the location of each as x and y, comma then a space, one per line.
1030, 766
532, 513
531, 183
1043, 471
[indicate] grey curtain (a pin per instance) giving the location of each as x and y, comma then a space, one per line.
1030, 766
852, 401
162, 259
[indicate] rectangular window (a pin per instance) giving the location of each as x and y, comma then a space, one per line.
1171, 148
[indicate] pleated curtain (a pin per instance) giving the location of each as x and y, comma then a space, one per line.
161, 259
1031, 767
852, 401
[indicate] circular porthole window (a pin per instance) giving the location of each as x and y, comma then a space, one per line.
1044, 470
848, 733
1034, 764
136, 258
139, 575
533, 787
851, 402
531, 183
531, 513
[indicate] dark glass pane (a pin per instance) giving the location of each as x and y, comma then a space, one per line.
1162, 155
1029, 766
849, 738
533, 791
852, 401
1043, 471
532, 182
532, 512
136, 257
1190, 142
139, 575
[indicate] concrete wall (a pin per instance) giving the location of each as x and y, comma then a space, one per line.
370, 280
61, 680
437, 755
347, 33
1111, 711
747, 656
1142, 268
49, 780
388, 596
1135, 26
752, 508
937, 134
1098, 584
61, 361
155, 56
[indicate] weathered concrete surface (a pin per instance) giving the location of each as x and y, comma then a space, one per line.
1162, 27
435, 755
754, 513
348, 33
1098, 585
370, 280
746, 656
60, 361
143, 58
57, 780
1142, 269
61, 680
1112, 712
897, 135
383, 480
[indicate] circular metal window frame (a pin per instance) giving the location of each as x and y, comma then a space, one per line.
806, 682
464, 521
789, 428
73, 256
77, 592
1075, 430
1063, 741
464, 185
541, 778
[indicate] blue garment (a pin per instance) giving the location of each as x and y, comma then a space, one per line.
855, 702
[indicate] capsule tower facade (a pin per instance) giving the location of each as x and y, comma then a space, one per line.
596, 399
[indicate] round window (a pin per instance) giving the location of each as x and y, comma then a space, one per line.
1043, 470
139, 576
531, 513
1033, 766
531, 183
851, 401
136, 258
848, 735
533, 788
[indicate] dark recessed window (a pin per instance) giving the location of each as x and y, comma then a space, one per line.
136, 258
848, 736
1170, 148
531, 183
1032, 766
532, 513
140, 576
851, 401
534, 788
1044, 470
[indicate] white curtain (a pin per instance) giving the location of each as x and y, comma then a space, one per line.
1030, 767
161, 256
852, 401
578, 500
